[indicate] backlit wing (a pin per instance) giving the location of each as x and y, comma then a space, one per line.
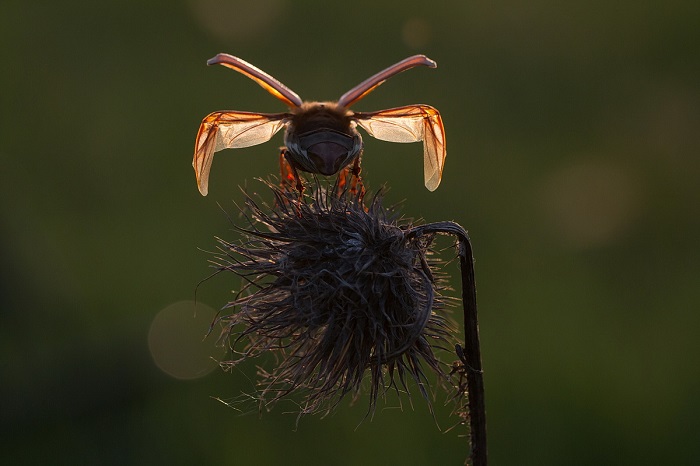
224, 130
411, 124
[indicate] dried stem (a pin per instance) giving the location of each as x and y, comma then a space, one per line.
470, 355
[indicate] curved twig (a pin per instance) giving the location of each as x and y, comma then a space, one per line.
470, 355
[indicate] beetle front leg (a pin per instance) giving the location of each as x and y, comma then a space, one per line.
357, 188
288, 174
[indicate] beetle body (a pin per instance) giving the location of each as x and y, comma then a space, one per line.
321, 137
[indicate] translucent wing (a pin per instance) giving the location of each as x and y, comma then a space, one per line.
411, 124
224, 130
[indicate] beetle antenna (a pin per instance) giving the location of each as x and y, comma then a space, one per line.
268, 83
368, 85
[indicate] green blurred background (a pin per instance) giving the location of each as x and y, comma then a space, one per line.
573, 161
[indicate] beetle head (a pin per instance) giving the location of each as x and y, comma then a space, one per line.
323, 150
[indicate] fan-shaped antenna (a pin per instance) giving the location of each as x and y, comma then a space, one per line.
368, 85
268, 83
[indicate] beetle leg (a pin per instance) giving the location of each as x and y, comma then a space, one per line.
288, 173
289, 181
342, 179
354, 185
357, 188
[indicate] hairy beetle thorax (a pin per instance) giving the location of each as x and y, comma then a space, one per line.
314, 115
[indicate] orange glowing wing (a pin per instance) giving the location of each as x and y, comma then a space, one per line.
412, 123
224, 130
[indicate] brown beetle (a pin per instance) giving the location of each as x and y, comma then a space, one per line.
321, 137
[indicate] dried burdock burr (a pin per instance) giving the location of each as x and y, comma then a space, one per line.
341, 289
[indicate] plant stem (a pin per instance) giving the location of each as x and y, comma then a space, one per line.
470, 355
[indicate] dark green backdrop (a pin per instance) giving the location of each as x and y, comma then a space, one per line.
573, 161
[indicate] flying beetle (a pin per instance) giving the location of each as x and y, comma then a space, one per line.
321, 137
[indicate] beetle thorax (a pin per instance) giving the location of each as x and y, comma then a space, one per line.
314, 115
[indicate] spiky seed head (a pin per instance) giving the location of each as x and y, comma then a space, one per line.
336, 289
